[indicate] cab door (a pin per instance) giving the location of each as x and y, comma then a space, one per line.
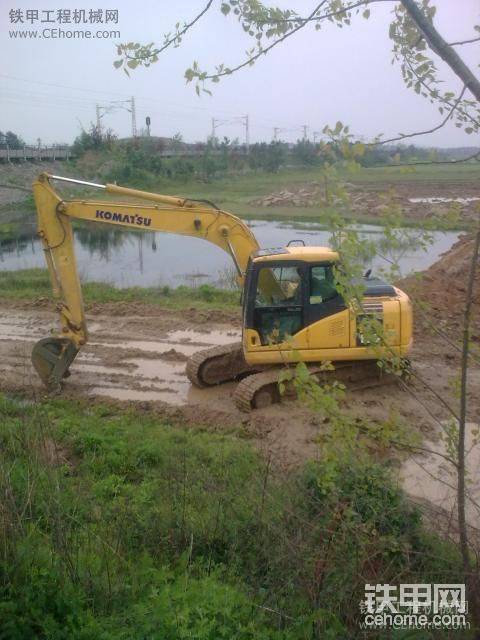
275, 314
326, 313
278, 315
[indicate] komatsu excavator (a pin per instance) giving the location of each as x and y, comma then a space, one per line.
292, 310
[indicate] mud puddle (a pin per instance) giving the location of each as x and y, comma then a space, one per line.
439, 200
114, 363
185, 342
431, 477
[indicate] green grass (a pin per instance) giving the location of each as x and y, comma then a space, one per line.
30, 284
117, 525
235, 192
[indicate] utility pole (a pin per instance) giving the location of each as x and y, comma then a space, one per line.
276, 131
99, 118
315, 135
148, 122
216, 122
134, 118
212, 135
305, 129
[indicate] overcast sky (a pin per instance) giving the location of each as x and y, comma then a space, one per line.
50, 87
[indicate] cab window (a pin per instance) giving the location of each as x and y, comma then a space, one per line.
278, 311
278, 287
322, 284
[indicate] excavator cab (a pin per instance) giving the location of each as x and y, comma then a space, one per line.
305, 317
306, 293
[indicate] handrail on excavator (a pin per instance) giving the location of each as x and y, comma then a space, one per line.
173, 201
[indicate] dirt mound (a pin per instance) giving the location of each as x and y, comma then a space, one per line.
306, 196
416, 201
440, 291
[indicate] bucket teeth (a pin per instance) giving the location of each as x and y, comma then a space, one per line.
51, 358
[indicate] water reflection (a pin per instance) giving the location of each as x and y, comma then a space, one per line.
129, 258
101, 239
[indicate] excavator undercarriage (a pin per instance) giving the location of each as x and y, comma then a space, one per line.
258, 386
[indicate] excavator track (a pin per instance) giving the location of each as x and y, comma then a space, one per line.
215, 365
259, 390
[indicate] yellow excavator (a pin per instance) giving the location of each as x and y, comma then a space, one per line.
292, 309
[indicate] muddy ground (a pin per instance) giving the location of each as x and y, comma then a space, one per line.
137, 354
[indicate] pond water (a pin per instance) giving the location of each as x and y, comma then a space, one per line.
126, 258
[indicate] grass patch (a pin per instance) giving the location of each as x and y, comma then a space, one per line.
30, 284
116, 525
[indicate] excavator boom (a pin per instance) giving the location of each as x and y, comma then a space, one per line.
53, 356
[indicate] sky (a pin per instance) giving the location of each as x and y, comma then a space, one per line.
50, 87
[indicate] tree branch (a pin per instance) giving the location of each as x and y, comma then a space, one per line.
332, 14
262, 52
463, 407
177, 35
456, 44
14, 186
442, 48
427, 131
474, 156
434, 94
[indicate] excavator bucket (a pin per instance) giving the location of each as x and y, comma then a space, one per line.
51, 358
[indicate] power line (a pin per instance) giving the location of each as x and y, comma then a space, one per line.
111, 93
44, 100
138, 98
77, 100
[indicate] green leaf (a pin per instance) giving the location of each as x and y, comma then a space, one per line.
225, 8
132, 64
366, 14
117, 64
469, 130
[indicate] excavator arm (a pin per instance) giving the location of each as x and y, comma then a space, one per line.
53, 356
